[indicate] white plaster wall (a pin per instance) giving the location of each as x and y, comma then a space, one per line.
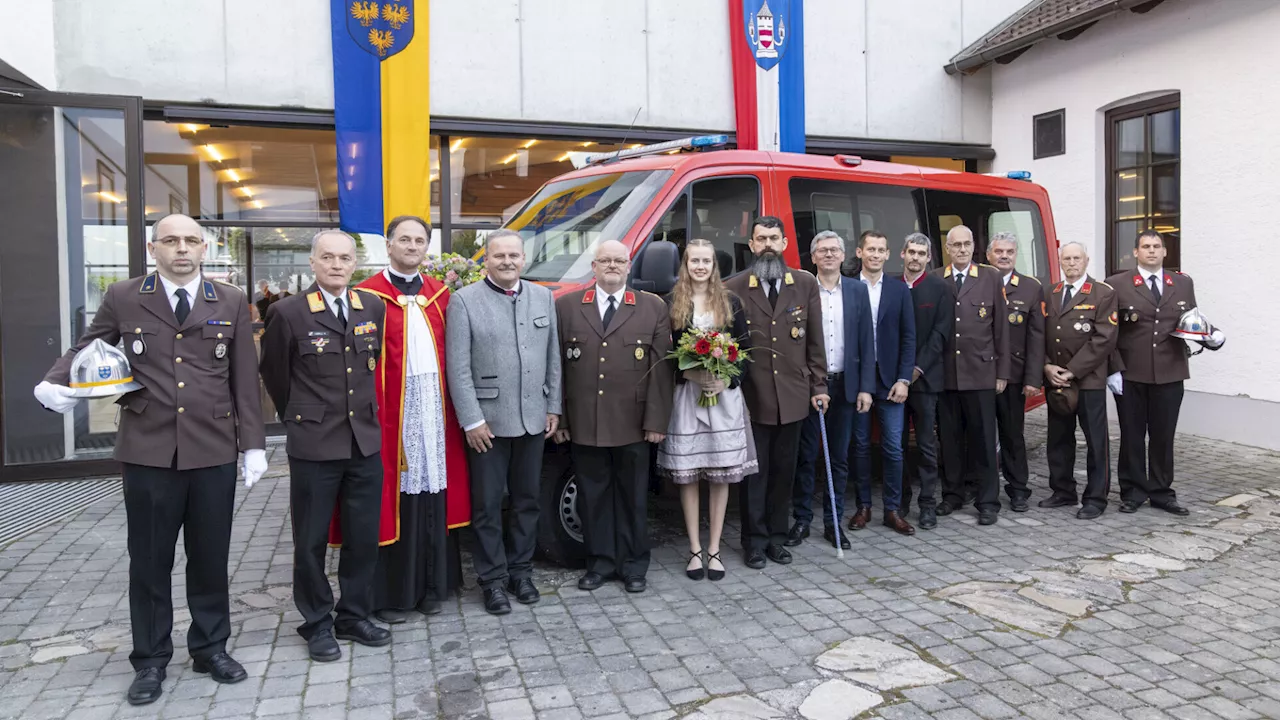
874, 66
26, 39
1221, 57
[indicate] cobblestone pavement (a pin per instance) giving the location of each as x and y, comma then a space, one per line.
1044, 616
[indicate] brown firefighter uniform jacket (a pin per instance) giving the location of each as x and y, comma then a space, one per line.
321, 375
1147, 352
978, 355
1082, 336
1023, 296
200, 396
788, 354
617, 382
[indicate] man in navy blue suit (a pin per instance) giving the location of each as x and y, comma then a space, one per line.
894, 340
846, 327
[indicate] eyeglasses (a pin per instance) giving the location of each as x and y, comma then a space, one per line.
611, 262
828, 251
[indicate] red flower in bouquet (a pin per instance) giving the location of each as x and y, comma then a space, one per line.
714, 352
702, 347
733, 353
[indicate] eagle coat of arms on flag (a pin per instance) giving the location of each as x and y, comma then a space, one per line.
767, 22
381, 28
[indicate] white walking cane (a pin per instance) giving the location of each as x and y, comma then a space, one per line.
831, 486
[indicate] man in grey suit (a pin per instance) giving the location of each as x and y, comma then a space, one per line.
504, 378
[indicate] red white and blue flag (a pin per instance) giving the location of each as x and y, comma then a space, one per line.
767, 41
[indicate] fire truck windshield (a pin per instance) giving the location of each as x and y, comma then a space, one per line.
564, 222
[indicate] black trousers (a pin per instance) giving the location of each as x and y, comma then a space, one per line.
512, 466
1148, 413
158, 503
1091, 413
1011, 416
967, 419
764, 498
922, 464
315, 488
613, 485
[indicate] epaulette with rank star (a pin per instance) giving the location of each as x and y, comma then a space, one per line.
589, 296
315, 303
628, 298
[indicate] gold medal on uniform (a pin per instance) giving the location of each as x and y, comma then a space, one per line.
639, 353
795, 333
982, 312
372, 364
220, 350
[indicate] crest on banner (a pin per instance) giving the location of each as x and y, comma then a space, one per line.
767, 23
381, 28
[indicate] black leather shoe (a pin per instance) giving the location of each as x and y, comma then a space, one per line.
830, 537
754, 559
590, 581
323, 647
778, 554
365, 633
943, 509
634, 584
524, 590
1019, 505
221, 667
1172, 507
430, 607
1054, 501
1129, 506
496, 602
391, 617
145, 688
1089, 512
797, 535
987, 518
928, 519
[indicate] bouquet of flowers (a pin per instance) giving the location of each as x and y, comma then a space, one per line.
712, 351
454, 270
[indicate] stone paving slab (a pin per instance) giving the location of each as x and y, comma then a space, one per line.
1041, 616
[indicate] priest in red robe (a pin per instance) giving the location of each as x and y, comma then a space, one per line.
425, 491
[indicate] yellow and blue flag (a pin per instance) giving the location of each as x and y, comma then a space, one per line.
381, 111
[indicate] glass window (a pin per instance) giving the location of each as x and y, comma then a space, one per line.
563, 222
987, 215
1143, 179
492, 177
851, 208
723, 209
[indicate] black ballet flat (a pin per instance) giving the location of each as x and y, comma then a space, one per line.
715, 575
702, 568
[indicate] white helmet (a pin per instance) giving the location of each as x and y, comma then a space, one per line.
100, 370
1193, 326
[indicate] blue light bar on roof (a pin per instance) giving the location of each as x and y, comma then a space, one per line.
689, 143
1013, 175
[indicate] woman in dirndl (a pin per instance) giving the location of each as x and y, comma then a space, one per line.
712, 443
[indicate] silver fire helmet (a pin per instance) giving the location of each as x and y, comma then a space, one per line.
1192, 326
100, 370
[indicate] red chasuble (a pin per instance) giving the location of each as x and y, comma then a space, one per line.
432, 300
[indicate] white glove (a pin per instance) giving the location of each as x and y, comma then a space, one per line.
1115, 382
1216, 338
255, 464
57, 398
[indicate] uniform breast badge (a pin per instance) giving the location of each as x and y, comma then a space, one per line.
372, 364
139, 347
220, 350
319, 343
639, 353
1085, 327
982, 312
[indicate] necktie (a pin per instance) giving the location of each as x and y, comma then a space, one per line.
342, 314
183, 308
771, 291
1066, 298
608, 312
959, 281
512, 294
1155, 289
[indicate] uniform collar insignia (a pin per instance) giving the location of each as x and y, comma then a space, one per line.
973, 269
947, 274
356, 304
1013, 280
1058, 288
787, 279
1168, 279
209, 294
589, 296
628, 298
753, 282
314, 302
148, 285
1137, 279
1086, 287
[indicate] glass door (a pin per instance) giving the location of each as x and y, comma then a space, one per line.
71, 199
